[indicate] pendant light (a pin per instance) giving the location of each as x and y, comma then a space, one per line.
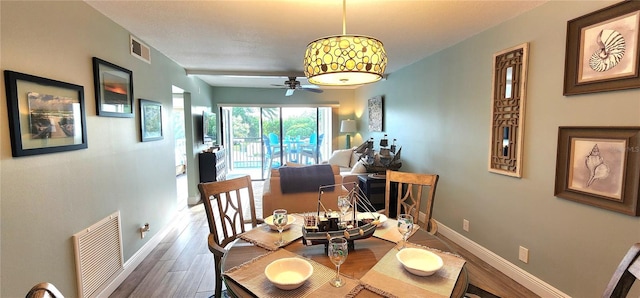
343, 60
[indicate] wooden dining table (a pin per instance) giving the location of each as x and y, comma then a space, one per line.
366, 254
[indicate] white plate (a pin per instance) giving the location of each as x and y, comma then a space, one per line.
372, 215
290, 220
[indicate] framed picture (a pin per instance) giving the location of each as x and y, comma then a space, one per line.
599, 166
603, 50
375, 113
114, 89
45, 116
150, 120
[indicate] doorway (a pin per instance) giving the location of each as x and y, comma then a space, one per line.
180, 147
259, 139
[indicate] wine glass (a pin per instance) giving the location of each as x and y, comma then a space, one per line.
405, 226
280, 221
338, 251
343, 205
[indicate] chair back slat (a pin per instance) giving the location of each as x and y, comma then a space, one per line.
626, 274
411, 188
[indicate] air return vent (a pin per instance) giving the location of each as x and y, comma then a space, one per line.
139, 49
98, 251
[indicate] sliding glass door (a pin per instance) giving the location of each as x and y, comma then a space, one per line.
263, 138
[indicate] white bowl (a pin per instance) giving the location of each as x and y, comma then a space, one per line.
290, 220
288, 273
418, 261
372, 215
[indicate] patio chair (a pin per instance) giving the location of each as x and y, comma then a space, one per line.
271, 152
312, 150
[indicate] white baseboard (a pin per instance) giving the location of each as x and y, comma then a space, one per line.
137, 258
193, 200
516, 273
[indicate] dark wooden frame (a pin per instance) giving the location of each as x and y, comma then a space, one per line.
144, 134
629, 159
572, 85
17, 86
102, 68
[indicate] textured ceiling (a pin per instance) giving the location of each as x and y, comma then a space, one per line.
266, 39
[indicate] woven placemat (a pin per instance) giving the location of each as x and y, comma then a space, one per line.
251, 276
389, 231
265, 237
388, 277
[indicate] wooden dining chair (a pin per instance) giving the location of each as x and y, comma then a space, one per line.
625, 275
410, 189
44, 290
224, 202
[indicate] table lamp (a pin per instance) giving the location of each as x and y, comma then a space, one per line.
348, 126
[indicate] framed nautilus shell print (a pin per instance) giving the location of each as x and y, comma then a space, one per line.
599, 166
603, 50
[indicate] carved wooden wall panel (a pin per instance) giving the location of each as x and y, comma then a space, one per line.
507, 110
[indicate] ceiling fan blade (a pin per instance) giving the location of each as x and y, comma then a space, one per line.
289, 92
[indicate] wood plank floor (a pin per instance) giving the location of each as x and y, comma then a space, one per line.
182, 266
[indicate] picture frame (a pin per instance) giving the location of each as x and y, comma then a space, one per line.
589, 68
376, 113
150, 120
113, 89
599, 166
45, 116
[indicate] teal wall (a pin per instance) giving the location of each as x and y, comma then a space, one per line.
446, 100
437, 108
45, 199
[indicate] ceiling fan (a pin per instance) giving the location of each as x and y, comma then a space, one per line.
292, 85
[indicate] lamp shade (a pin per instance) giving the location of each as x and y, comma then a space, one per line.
348, 126
344, 60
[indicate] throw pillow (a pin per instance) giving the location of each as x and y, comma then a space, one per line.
358, 168
341, 158
355, 156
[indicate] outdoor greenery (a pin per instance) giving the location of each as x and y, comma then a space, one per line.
246, 122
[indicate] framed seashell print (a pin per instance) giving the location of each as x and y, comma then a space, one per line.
599, 166
603, 50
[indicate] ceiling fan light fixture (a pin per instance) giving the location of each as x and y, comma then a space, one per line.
343, 60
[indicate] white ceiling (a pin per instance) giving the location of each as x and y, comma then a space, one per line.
267, 39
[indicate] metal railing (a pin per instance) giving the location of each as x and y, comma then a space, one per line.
247, 153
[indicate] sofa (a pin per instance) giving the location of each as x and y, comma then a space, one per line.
348, 161
274, 198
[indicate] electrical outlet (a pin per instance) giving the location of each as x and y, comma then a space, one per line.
465, 225
523, 254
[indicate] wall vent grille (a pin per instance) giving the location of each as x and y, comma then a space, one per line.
98, 253
139, 49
